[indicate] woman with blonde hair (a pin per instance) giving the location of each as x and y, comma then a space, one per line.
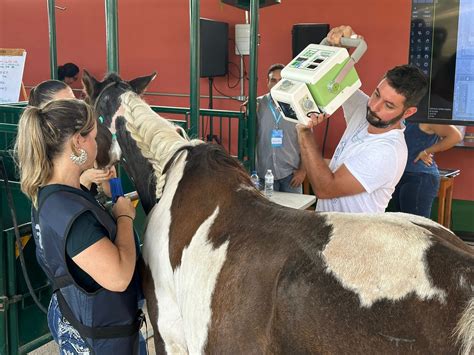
93, 179
88, 255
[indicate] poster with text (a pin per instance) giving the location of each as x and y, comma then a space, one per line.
12, 63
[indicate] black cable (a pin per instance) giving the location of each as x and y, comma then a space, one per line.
11, 205
243, 61
228, 78
325, 137
236, 65
326, 130
220, 92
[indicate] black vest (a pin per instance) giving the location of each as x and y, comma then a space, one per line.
108, 321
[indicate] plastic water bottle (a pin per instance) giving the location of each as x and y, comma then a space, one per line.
269, 183
255, 180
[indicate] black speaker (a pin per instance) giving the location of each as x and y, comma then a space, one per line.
245, 4
214, 48
306, 33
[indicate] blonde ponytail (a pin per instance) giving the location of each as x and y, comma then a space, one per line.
32, 159
41, 137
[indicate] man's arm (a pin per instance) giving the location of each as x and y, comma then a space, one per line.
324, 182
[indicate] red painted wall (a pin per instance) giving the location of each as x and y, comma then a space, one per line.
154, 36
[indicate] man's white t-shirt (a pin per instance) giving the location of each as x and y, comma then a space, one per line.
377, 161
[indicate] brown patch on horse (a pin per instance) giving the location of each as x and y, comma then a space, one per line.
250, 280
151, 304
254, 260
316, 303
104, 141
211, 165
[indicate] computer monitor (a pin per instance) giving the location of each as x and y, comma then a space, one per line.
442, 45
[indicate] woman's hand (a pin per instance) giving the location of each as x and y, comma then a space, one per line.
105, 185
96, 176
425, 157
123, 207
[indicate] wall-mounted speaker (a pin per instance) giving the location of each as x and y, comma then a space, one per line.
245, 4
214, 48
306, 33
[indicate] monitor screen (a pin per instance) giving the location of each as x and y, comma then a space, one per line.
442, 45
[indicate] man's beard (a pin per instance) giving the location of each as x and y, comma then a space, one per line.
375, 121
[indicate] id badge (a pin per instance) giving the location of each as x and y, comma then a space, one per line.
277, 138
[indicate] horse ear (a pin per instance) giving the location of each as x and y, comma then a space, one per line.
139, 84
90, 84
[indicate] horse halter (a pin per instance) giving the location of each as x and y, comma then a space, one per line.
99, 97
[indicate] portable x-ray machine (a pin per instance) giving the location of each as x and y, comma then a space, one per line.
318, 80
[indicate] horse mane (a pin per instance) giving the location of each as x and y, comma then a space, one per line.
156, 137
212, 159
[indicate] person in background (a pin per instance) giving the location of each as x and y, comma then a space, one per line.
93, 179
277, 142
49, 90
69, 73
371, 155
88, 254
419, 184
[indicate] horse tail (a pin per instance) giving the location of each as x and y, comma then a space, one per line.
464, 331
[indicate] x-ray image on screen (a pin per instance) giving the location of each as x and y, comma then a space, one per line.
442, 45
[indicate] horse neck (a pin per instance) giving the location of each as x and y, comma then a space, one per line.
156, 137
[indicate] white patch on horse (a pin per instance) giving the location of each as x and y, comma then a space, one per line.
195, 280
379, 256
115, 153
156, 256
183, 296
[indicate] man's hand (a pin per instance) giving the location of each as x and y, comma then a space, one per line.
244, 106
314, 120
298, 177
334, 36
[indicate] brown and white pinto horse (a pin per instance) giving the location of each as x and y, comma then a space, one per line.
228, 271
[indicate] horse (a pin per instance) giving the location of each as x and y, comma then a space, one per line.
225, 270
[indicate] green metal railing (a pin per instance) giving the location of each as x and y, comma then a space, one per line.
20, 318
229, 128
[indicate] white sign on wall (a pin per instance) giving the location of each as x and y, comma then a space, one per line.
12, 63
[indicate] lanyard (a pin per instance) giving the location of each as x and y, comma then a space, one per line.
276, 115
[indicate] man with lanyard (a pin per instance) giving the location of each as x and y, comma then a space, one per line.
277, 142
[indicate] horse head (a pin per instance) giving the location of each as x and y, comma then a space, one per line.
113, 140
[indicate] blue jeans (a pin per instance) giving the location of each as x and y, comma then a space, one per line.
283, 185
67, 337
415, 193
